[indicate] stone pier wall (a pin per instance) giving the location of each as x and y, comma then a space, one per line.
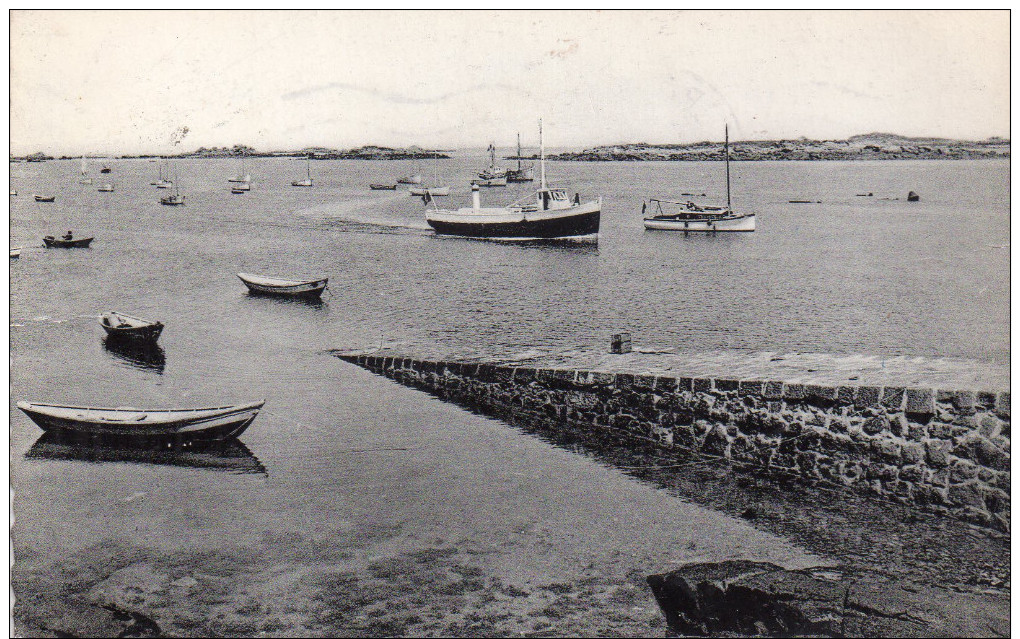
947, 451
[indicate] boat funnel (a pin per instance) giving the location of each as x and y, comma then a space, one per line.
476, 197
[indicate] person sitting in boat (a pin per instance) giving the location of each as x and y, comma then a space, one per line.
69, 236
691, 206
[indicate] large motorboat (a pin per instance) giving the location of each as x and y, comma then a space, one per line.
689, 217
550, 214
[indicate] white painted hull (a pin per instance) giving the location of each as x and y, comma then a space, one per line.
437, 191
278, 286
302, 183
743, 223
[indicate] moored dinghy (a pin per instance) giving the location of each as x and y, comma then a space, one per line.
123, 326
15, 252
218, 423
279, 286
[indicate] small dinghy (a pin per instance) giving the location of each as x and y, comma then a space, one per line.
45, 198
383, 187
277, 286
219, 423
15, 252
59, 242
123, 326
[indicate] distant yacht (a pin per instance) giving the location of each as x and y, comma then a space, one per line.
671, 215
243, 177
492, 173
308, 173
551, 215
521, 173
162, 182
435, 189
174, 199
85, 179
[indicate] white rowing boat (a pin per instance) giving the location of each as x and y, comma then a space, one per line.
221, 422
280, 286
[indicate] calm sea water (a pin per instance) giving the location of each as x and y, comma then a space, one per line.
848, 275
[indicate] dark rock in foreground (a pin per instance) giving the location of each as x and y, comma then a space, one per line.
745, 598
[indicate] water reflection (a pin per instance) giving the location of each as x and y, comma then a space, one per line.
229, 456
143, 355
300, 300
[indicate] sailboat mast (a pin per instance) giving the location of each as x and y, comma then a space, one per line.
726, 145
541, 146
518, 152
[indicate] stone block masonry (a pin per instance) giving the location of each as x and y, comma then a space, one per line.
942, 450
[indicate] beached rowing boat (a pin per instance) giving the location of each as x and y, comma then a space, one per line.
279, 286
222, 422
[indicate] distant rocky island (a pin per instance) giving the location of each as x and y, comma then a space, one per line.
314, 153
871, 146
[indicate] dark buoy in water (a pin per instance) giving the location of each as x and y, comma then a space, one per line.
913, 197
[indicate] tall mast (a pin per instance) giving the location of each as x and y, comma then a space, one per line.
727, 148
518, 152
541, 146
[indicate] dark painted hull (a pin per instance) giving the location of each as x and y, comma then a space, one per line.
383, 187
44, 199
52, 242
560, 228
137, 333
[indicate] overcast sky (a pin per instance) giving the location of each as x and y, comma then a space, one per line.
125, 82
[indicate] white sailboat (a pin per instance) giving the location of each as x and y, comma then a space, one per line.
308, 173
492, 173
672, 215
549, 214
435, 189
85, 179
243, 177
162, 182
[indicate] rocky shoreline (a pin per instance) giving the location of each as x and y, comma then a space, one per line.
874, 146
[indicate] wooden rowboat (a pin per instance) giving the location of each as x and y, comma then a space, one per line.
383, 187
277, 286
56, 242
45, 198
219, 423
124, 326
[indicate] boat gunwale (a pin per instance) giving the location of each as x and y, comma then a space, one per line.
285, 283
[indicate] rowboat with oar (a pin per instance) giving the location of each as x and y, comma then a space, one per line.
121, 326
278, 286
218, 423
64, 242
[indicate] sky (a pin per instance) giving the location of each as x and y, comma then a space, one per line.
118, 82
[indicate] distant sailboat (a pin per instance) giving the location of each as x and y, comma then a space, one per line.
243, 177
521, 173
85, 179
492, 173
106, 188
435, 189
162, 182
308, 173
176, 199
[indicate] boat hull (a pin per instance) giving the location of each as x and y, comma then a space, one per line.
40, 198
302, 183
15, 253
438, 191
52, 242
141, 331
576, 222
311, 288
383, 187
211, 424
741, 224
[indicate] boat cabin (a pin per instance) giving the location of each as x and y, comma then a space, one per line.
685, 210
553, 199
